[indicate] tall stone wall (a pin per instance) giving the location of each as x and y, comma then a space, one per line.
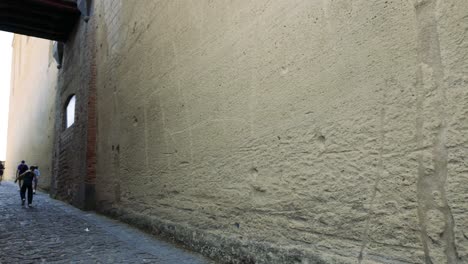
31, 113
288, 131
74, 146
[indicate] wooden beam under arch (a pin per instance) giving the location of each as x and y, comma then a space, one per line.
49, 19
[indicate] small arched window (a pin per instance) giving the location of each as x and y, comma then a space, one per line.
70, 114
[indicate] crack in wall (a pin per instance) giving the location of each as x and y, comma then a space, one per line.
431, 184
421, 184
380, 171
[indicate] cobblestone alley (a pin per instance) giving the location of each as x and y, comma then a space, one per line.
54, 232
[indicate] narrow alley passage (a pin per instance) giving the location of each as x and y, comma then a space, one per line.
54, 232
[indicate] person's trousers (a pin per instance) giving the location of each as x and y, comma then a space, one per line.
24, 187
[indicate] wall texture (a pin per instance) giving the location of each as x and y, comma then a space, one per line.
288, 131
270, 131
31, 114
74, 147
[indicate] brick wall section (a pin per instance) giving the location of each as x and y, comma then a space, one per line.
91, 133
92, 119
74, 149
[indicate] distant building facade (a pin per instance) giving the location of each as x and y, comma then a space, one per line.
32, 107
269, 132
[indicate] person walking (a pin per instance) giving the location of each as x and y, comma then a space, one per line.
36, 179
27, 177
21, 169
2, 168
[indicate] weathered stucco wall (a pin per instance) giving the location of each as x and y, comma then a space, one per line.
31, 113
288, 131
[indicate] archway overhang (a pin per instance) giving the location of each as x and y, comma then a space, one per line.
49, 19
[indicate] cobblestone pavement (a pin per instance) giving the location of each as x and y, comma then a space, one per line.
54, 232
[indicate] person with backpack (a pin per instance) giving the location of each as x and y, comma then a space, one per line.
36, 179
28, 178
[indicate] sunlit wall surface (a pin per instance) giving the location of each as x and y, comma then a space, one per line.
31, 112
5, 65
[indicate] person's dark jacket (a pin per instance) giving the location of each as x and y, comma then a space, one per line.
22, 168
27, 177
